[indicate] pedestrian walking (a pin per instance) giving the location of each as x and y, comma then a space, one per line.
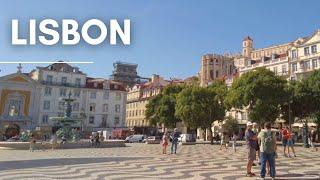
251, 141
174, 138
63, 142
32, 142
164, 143
284, 135
234, 142
224, 141
268, 150
290, 143
311, 140
97, 140
54, 141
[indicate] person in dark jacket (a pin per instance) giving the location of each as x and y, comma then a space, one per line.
174, 137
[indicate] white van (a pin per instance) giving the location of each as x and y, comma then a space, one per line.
135, 138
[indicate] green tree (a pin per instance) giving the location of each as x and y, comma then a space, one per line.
152, 108
199, 107
161, 108
230, 125
306, 102
261, 92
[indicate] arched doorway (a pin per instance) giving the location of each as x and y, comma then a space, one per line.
12, 130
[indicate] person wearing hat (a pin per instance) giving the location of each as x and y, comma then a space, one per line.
251, 141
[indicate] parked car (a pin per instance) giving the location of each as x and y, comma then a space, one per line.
152, 140
135, 138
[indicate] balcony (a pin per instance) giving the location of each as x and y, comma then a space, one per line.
15, 118
63, 84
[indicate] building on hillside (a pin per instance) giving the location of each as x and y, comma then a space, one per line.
293, 61
39, 95
127, 74
137, 99
214, 66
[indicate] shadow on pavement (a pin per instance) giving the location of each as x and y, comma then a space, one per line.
22, 164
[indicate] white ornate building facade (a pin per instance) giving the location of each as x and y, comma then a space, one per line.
30, 100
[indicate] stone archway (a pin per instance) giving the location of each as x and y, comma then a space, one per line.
12, 130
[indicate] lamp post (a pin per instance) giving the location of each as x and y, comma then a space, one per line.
290, 102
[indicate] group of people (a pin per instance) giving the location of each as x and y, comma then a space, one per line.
225, 139
173, 138
263, 143
95, 140
287, 142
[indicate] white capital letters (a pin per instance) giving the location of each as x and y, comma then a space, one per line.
73, 31
124, 35
43, 28
32, 31
103, 33
14, 37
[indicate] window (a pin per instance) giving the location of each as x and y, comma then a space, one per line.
93, 95
284, 69
105, 108
61, 106
307, 64
117, 108
294, 54
49, 79
45, 119
306, 51
78, 82
118, 96
63, 92
116, 120
76, 93
46, 105
314, 63
314, 49
92, 107
47, 91
104, 122
106, 95
75, 106
217, 74
64, 80
294, 67
91, 119
275, 70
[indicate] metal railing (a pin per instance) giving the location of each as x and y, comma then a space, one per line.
62, 84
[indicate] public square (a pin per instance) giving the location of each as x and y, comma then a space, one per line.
143, 161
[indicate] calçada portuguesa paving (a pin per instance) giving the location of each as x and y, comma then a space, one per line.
143, 161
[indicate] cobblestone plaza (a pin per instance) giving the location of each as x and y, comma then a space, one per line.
141, 161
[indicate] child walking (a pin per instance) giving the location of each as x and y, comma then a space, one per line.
164, 143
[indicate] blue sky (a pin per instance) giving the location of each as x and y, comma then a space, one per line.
168, 36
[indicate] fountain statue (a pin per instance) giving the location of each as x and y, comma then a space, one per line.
66, 122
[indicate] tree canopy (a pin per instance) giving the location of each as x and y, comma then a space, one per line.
161, 108
199, 107
261, 92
